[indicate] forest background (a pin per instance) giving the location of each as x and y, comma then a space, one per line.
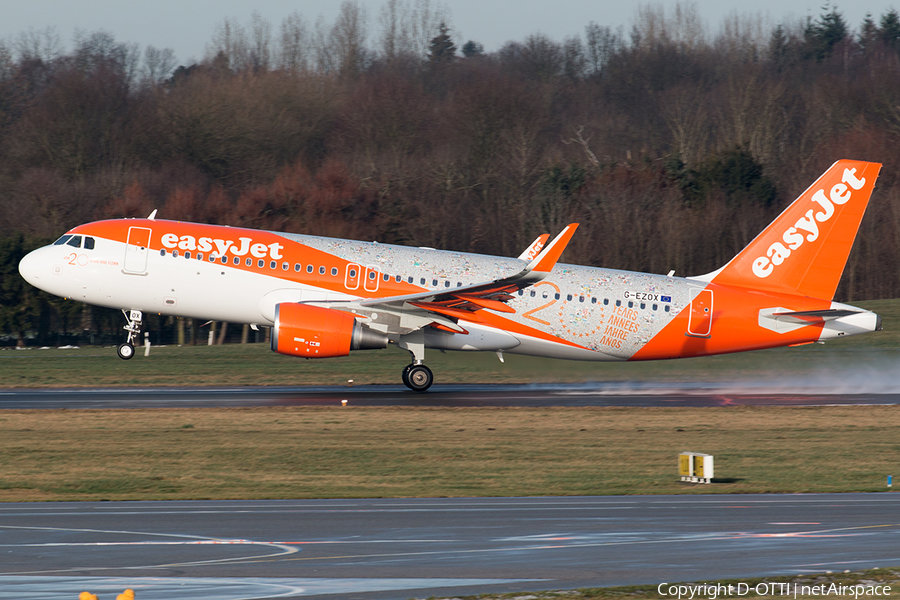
672, 144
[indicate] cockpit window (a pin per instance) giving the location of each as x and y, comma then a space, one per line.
88, 243
62, 240
75, 242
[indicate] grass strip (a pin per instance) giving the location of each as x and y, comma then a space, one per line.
348, 452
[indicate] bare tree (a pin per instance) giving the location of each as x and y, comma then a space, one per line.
348, 38
158, 64
260, 43
294, 53
395, 40
229, 42
43, 45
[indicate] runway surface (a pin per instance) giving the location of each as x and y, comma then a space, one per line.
588, 394
238, 550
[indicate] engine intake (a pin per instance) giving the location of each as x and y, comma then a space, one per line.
315, 332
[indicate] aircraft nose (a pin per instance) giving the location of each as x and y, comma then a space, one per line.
30, 268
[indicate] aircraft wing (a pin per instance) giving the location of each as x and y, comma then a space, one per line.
464, 300
442, 308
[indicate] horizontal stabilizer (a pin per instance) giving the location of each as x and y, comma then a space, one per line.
808, 317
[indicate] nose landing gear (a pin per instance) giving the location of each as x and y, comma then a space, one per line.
133, 327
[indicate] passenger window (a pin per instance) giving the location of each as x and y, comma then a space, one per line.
237, 261
285, 266
606, 302
199, 256
618, 303
224, 260
386, 277
62, 240
399, 278
334, 271
174, 253
593, 301
643, 306
352, 273
654, 307
75, 242
581, 298
309, 268
556, 296
630, 304
372, 275
667, 308
434, 283
162, 252
297, 267
260, 263
187, 254
273, 264
422, 281
521, 292
533, 293
88, 243
249, 262
569, 297
447, 283
410, 280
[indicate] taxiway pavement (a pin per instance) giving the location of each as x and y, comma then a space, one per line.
403, 548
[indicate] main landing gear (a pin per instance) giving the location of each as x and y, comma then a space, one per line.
126, 350
416, 376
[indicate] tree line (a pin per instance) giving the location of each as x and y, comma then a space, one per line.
673, 143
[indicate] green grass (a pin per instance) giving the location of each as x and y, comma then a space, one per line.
255, 364
339, 452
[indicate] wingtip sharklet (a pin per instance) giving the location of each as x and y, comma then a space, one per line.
546, 260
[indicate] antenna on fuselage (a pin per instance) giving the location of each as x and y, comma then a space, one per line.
152, 216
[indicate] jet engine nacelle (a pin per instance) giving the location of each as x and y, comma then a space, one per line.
314, 332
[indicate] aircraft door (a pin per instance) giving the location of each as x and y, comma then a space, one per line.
371, 282
351, 277
136, 250
700, 318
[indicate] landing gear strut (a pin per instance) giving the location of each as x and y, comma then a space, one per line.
133, 327
416, 376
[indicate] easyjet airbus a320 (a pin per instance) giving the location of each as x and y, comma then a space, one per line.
327, 297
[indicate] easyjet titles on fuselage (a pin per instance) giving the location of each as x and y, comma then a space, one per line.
778, 252
205, 244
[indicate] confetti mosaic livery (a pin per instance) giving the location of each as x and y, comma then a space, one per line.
326, 297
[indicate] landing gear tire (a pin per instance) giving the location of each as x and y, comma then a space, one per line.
419, 378
125, 351
405, 376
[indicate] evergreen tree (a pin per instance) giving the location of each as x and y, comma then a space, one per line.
868, 34
890, 29
472, 48
442, 49
822, 35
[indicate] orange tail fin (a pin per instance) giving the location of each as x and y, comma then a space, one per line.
805, 249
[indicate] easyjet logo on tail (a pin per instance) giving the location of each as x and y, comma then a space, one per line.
806, 229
